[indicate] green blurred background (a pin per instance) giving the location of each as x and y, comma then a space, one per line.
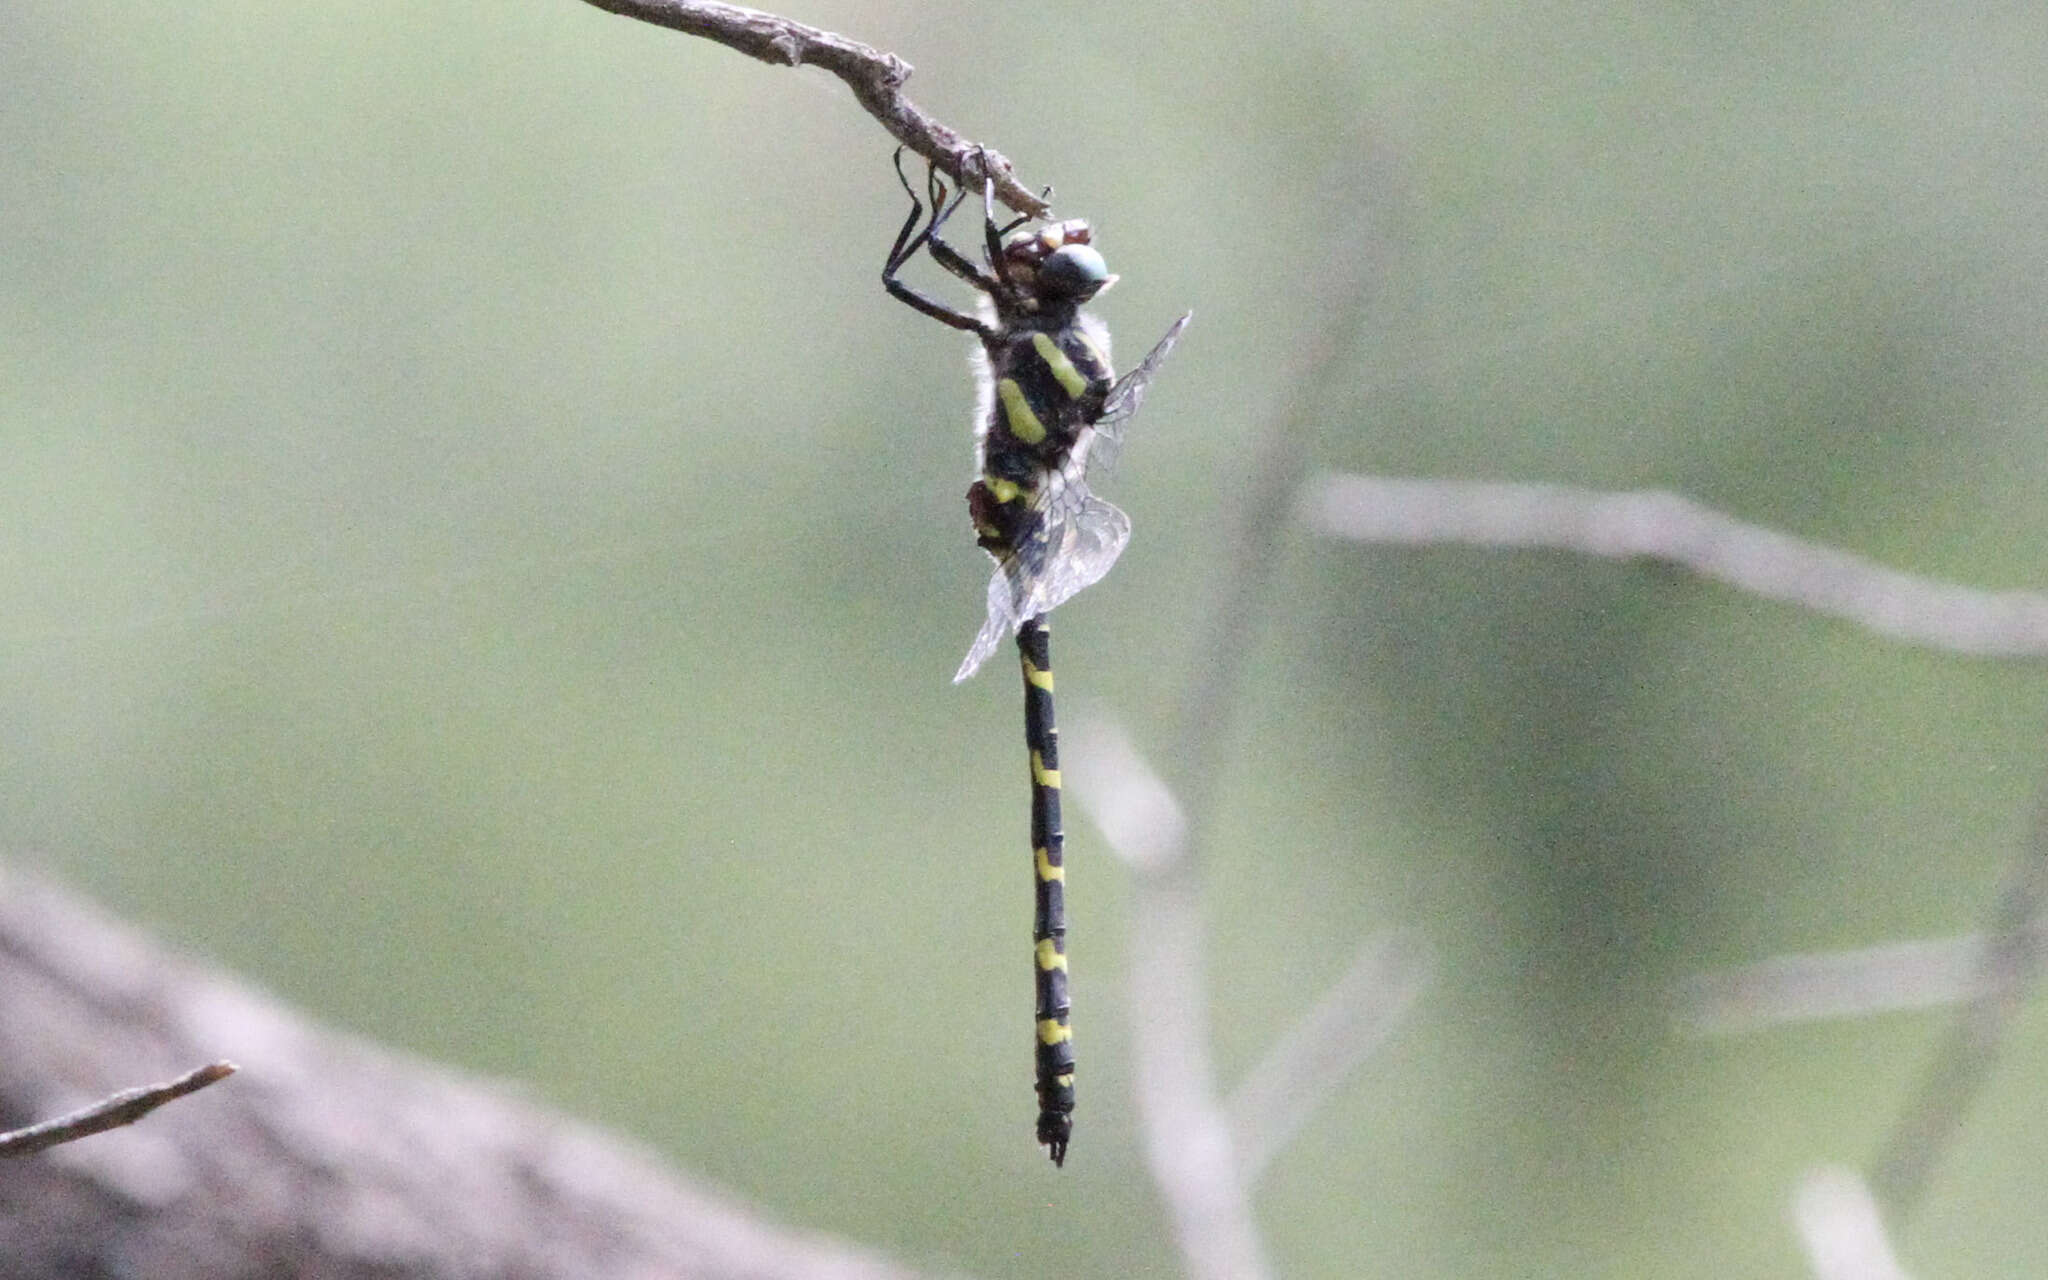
480, 554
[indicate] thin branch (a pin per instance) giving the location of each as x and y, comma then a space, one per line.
2009, 968
1339, 314
1357, 1015
1841, 1229
875, 77
1187, 1136
1891, 978
123, 1108
1665, 526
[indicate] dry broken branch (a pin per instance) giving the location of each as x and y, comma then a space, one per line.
875, 77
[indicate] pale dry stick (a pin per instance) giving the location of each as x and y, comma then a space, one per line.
875, 77
1356, 1016
123, 1108
1659, 525
1841, 1229
1186, 1130
1822, 986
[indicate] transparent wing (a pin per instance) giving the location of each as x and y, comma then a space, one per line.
1125, 397
1076, 541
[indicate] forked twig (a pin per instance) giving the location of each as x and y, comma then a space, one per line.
111, 1112
875, 77
1186, 1132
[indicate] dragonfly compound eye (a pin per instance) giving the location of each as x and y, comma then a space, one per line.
1074, 271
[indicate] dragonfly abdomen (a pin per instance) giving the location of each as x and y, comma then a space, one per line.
1055, 1047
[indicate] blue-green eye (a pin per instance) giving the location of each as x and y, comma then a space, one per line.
1074, 271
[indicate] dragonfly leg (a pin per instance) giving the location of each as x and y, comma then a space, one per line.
909, 239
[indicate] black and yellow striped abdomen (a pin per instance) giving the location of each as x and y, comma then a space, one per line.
1055, 1036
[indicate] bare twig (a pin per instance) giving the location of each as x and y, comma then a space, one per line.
2008, 970
1666, 526
1890, 978
1352, 1020
125, 1107
1840, 1227
1340, 291
875, 77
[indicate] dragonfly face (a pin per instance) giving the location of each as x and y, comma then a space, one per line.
1050, 407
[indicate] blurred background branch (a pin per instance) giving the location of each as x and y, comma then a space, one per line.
1326, 1047
1205, 1157
330, 1157
1839, 1225
2007, 971
1817, 987
1666, 526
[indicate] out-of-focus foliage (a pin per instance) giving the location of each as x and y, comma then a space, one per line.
479, 552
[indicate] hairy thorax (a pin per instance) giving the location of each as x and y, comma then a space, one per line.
1041, 387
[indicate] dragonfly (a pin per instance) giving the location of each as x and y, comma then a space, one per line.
1050, 414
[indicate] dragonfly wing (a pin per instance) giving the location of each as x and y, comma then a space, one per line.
1128, 393
1082, 547
1001, 624
1077, 539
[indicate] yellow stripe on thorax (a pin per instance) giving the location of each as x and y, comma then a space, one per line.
1032, 675
1043, 776
1024, 424
1003, 491
1062, 368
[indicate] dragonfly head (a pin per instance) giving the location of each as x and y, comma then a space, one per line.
1058, 262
